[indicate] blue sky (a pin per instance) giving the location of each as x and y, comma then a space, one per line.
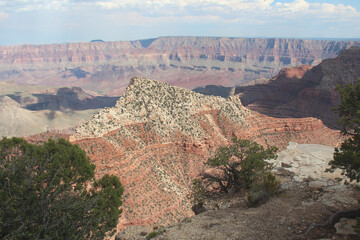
58, 21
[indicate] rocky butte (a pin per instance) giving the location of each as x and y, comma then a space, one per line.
157, 137
190, 62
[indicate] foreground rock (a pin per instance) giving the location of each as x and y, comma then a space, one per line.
285, 216
305, 164
157, 137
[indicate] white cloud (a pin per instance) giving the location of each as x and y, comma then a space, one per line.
3, 15
137, 19
110, 5
31, 5
232, 4
295, 6
337, 9
133, 19
303, 9
226, 10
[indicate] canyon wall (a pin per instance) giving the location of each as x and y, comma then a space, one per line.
190, 62
157, 137
305, 91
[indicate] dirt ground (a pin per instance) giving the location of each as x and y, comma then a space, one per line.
307, 196
285, 216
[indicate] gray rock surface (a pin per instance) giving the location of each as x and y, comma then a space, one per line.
345, 226
306, 165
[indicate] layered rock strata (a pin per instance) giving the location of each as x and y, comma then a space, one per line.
183, 61
305, 91
157, 137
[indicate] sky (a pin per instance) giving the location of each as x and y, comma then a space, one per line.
59, 21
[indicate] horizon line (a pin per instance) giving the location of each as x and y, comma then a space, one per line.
183, 36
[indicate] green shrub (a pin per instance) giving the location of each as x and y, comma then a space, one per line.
258, 197
49, 190
197, 192
152, 235
261, 192
237, 166
271, 185
347, 157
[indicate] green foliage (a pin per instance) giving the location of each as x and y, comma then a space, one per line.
261, 191
349, 109
197, 192
357, 226
347, 157
256, 198
270, 184
48, 191
158, 230
240, 165
152, 235
237, 166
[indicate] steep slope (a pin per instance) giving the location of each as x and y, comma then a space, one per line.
14, 119
26, 110
62, 99
277, 91
305, 91
308, 195
20, 122
157, 137
182, 61
40, 98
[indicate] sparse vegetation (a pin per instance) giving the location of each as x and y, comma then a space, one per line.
347, 157
262, 191
157, 230
197, 192
152, 235
240, 165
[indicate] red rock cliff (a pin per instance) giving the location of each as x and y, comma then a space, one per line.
305, 91
183, 61
157, 137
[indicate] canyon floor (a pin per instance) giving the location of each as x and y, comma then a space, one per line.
307, 196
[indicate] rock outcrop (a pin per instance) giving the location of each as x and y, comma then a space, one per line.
183, 61
306, 164
157, 137
305, 91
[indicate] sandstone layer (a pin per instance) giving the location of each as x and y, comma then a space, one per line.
305, 91
157, 137
189, 62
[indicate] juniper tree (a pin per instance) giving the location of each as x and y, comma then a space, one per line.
48, 191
